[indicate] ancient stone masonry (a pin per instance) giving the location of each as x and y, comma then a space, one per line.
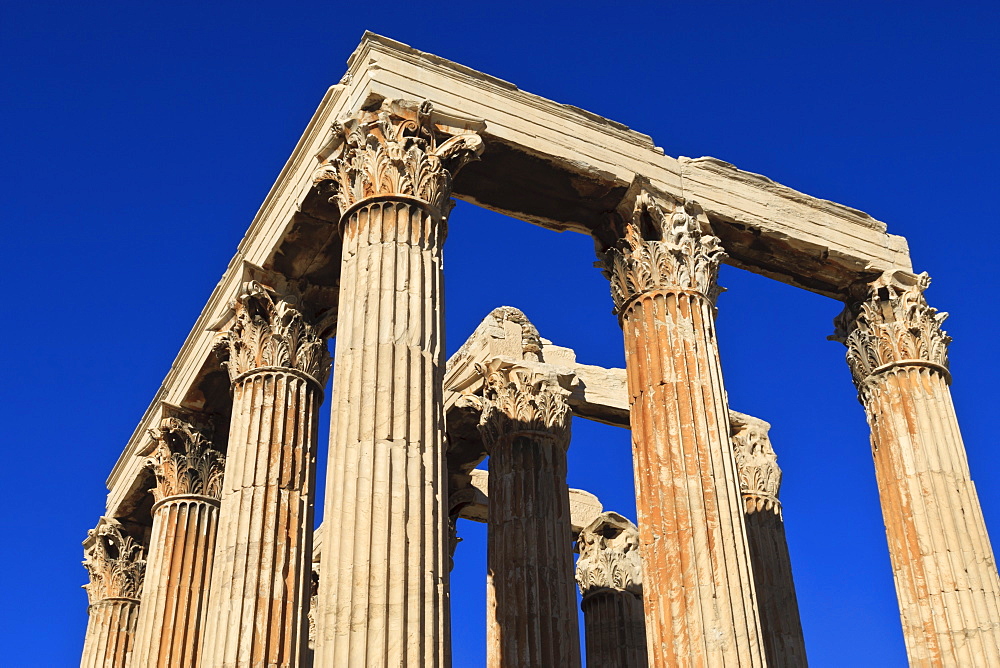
609, 576
525, 422
212, 497
699, 595
188, 472
942, 560
116, 565
277, 363
384, 599
760, 479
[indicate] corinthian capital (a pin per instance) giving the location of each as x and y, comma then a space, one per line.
115, 562
269, 329
663, 248
519, 401
609, 556
184, 461
891, 324
396, 150
756, 464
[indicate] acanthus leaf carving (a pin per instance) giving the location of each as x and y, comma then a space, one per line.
516, 400
892, 324
184, 460
269, 329
394, 151
663, 248
757, 467
115, 562
609, 556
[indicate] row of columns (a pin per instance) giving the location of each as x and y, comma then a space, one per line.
231, 552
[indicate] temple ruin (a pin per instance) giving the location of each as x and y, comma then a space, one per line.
206, 555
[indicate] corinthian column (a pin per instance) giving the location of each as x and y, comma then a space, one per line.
942, 561
760, 478
610, 579
116, 566
261, 573
384, 599
188, 473
531, 615
698, 588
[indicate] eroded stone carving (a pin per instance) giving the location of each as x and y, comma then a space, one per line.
663, 247
609, 556
891, 324
184, 461
757, 466
516, 400
394, 151
270, 330
115, 562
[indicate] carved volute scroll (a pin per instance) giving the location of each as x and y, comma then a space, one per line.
609, 556
891, 324
184, 461
663, 247
396, 150
270, 329
115, 562
757, 466
518, 401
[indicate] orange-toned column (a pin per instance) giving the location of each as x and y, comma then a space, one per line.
531, 614
259, 593
942, 561
116, 566
760, 479
610, 580
384, 595
174, 610
697, 587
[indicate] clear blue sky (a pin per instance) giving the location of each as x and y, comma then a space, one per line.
138, 140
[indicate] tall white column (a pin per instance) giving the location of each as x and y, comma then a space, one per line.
260, 585
942, 560
384, 597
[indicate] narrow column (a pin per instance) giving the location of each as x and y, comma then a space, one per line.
116, 566
609, 576
942, 561
698, 588
531, 618
188, 473
384, 599
760, 479
261, 573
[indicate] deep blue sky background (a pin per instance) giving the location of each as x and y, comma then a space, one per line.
138, 140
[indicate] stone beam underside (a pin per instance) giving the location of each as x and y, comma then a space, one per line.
550, 164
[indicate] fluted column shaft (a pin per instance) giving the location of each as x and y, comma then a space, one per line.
110, 633
609, 576
531, 618
175, 594
384, 598
115, 563
760, 480
942, 560
698, 588
262, 565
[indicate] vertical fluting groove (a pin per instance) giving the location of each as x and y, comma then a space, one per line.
699, 596
384, 602
263, 554
175, 590
110, 633
943, 564
615, 630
